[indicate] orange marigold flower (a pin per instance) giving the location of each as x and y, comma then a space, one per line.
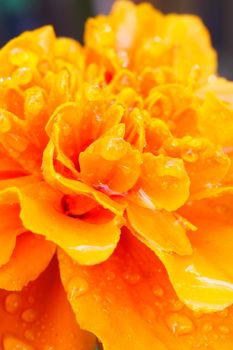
116, 184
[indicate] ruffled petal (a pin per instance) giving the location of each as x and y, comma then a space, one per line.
9, 168
204, 280
35, 317
10, 227
16, 144
30, 257
216, 121
159, 230
69, 186
128, 302
205, 162
120, 164
88, 243
164, 181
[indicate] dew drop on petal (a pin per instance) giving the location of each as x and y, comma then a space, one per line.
77, 287
176, 305
29, 315
179, 324
207, 327
10, 342
17, 142
110, 275
29, 335
5, 124
158, 292
224, 329
131, 277
223, 313
12, 303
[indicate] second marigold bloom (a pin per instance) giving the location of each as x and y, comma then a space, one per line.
117, 158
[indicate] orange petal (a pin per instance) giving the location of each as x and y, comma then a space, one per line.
164, 181
128, 302
18, 181
10, 227
216, 121
159, 230
120, 164
16, 144
205, 162
183, 29
204, 280
30, 257
69, 186
88, 243
35, 317
9, 168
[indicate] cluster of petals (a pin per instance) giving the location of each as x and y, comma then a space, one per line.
116, 184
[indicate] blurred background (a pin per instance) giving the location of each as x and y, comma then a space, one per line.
68, 18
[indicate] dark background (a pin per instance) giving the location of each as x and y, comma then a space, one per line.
68, 18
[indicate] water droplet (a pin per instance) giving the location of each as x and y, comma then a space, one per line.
176, 305
223, 313
29, 315
132, 277
77, 287
10, 342
224, 329
148, 313
17, 142
29, 335
179, 324
22, 75
93, 92
5, 124
158, 292
12, 303
197, 314
110, 275
207, 327
189, 155
114, 149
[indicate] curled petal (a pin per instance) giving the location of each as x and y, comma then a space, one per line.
163, 181
69, 186
88, 243
216, 121
206, 164
30, 257
120, 164
10, 227
204, 280
159, 230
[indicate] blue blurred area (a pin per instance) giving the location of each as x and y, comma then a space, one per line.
68, 18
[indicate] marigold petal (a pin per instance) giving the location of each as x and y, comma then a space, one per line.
69, 186
206, 163
216, 121
159, 230
34, 318
163, 181
88, 243
204, 280
120, 164
30, 257
128, 302
10, 227
16, 144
